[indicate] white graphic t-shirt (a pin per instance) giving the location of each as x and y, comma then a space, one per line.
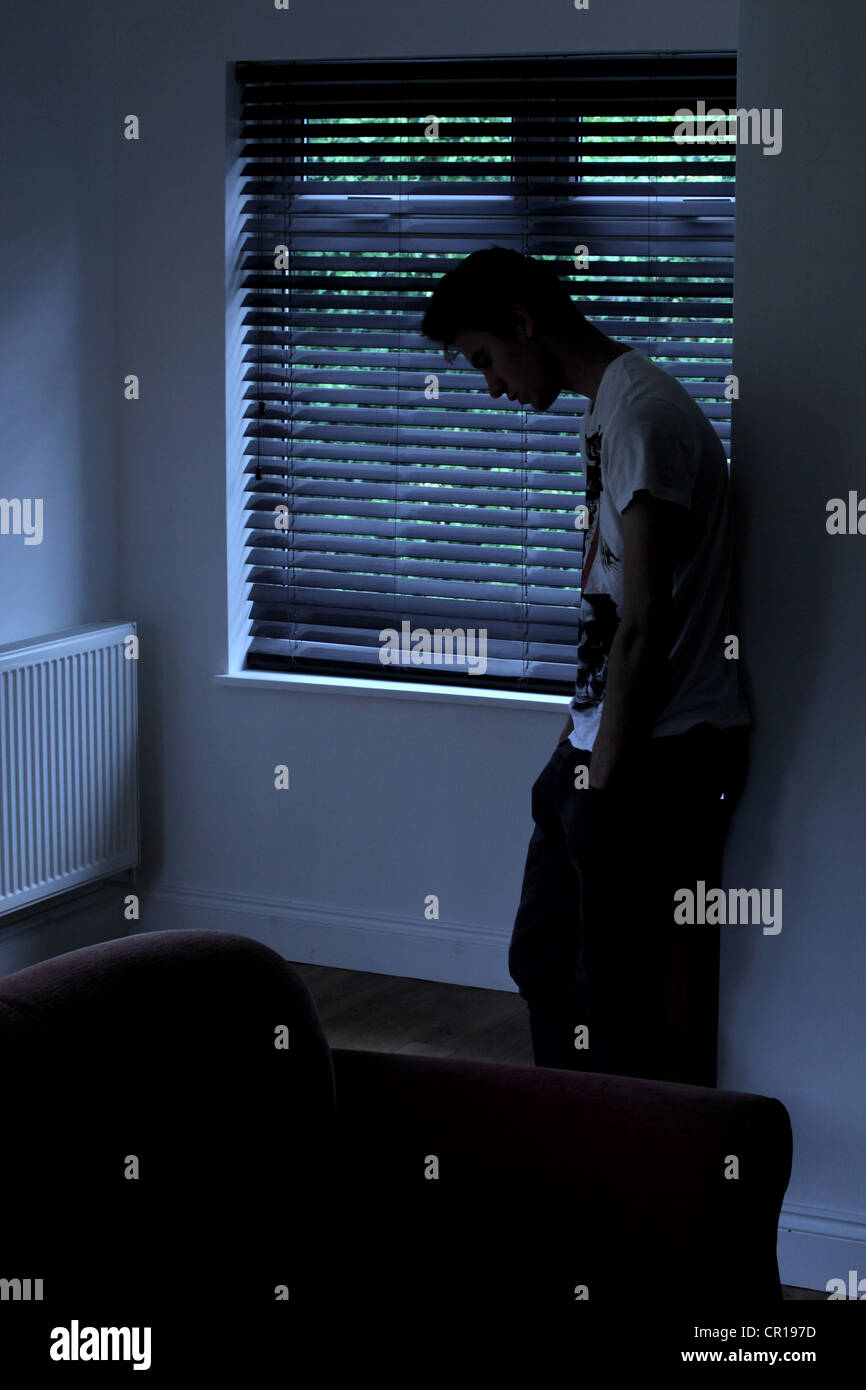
645, 432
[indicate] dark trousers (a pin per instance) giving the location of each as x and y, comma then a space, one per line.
612, 984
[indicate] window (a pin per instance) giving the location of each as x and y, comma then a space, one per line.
371, 502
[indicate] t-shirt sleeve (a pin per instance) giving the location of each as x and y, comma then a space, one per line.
650, 446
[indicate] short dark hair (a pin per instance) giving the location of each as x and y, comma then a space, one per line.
481, 291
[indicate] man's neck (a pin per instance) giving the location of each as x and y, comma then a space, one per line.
585, 366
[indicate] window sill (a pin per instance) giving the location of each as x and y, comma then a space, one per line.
390, 690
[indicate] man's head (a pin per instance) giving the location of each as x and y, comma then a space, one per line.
509, 316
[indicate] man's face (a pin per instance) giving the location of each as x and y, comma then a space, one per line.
523, 368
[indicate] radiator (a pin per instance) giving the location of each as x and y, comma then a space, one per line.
69, 808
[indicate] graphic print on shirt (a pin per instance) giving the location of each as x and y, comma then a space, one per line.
592, 462
598, 617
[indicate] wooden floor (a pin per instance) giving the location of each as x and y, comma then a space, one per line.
385, 1013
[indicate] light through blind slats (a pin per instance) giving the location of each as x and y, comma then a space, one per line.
454, 512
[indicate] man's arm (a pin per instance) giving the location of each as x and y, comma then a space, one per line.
637, 663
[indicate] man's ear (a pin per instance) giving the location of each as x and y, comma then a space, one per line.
524, 320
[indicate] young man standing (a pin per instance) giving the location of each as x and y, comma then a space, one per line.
635, 800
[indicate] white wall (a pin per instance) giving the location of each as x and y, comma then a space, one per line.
793, 1020
58, 366
57, 354
394, 799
